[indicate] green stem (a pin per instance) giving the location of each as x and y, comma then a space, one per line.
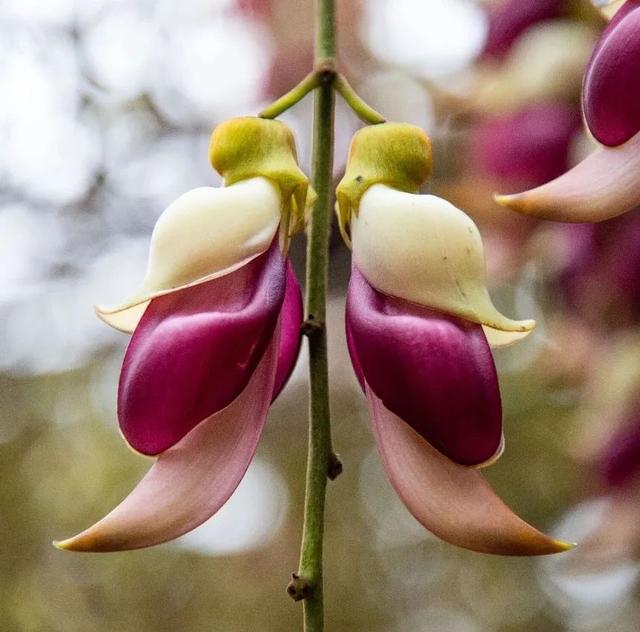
309, 83
364, 111
325, 32
320, 453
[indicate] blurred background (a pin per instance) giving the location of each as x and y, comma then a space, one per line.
105, 115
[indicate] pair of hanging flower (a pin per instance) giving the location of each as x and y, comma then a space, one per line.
216, 332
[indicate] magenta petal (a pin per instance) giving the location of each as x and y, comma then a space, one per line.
611, 90
600, 255
509, 19
355, 361
620, 461
290, 336
192, 479
528, 147
433, 370
195, 350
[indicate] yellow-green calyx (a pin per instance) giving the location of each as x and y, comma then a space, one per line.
247, 147
395, 154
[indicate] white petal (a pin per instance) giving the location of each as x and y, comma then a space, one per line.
206, 233
423, 249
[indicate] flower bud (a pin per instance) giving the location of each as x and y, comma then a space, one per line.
395, 154
246, 147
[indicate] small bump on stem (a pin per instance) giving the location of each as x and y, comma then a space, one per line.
335, 467
299, 588
311, 327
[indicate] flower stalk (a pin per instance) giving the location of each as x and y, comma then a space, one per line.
322, 463
362, 109
319, 448
288, 100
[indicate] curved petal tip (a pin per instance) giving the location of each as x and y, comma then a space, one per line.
604, 185
191, 480
123, 318
502, 338
454, 502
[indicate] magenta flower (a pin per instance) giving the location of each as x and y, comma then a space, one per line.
617, 539
612, 442
216, 333
419, 321
509, 19
601, 278
544, 64
620, 460
528, 147
604, 184
216, 330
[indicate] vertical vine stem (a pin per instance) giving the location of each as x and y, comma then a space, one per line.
319, 449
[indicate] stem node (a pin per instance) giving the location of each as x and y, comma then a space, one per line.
310, 327
326, 71
299, 588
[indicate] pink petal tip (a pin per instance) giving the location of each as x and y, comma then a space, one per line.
604, 185
191, 480
452, 501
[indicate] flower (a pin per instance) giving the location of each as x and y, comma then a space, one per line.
527, 147
418, 322
609, 442
507, 20
617, 538
511, 150
600, 278
545, 63
605, 183
216, 332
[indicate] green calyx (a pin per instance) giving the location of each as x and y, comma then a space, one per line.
395, 154
247, 147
